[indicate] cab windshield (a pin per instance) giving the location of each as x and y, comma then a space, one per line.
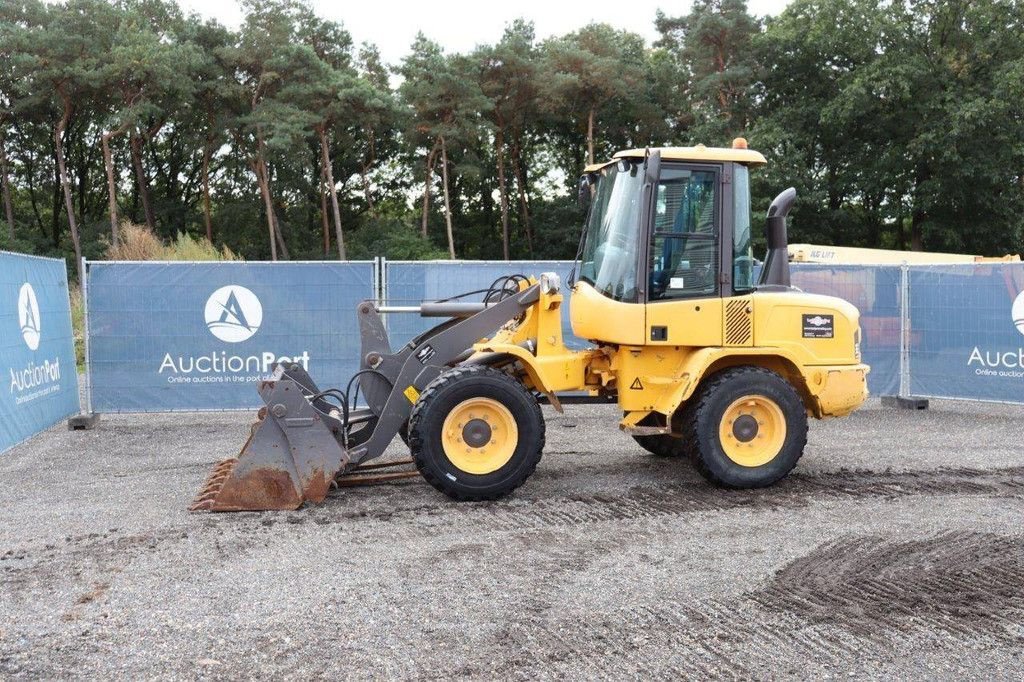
611, 244
683, 244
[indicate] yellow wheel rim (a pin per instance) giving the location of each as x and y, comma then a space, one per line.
479, 436
752, 431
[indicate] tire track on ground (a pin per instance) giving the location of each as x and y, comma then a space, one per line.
959, 582
844, 603
634, 503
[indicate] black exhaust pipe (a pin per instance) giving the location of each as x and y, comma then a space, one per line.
776, 263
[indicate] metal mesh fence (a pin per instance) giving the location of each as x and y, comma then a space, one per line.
965, 326
183, 336
197, 336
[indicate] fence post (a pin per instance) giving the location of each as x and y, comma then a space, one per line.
904, 390
87, 419
381, 291
85, 335
903, 400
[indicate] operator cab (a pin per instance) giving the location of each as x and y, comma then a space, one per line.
669, 224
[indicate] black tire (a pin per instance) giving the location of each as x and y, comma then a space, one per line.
662, 446
702, 423
403, 432
443, 395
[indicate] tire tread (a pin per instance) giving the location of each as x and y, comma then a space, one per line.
698, 406
416, 441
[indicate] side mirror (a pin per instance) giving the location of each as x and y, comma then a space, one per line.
586, 193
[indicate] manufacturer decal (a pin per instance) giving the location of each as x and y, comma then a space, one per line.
424, 354
819, 326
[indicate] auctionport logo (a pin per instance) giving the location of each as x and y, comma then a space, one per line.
1002, 363
1017, 312
233, 314
36, 379
28, 316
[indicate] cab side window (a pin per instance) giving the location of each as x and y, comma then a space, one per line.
684, 261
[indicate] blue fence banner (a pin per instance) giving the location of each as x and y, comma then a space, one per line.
875, 290
37, 347
409, 282
199, 336
966, 336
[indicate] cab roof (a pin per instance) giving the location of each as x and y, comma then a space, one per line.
738, 153
700, 153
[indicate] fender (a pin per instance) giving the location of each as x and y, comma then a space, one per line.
826, 390
547, 372
698, 363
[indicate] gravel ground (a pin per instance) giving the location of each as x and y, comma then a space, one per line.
895, 549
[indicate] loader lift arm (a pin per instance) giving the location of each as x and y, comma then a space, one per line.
301, 441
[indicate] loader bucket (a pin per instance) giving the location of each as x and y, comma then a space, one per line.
291, 457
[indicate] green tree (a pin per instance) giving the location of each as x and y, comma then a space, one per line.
375, 118
209, 116
445, 102
812, 55
267, 54
713, 44
508, 78
316, 83
956, 68
59, 55
587, 71
890, 119
150, 78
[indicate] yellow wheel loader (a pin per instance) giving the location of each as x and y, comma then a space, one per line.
703, 361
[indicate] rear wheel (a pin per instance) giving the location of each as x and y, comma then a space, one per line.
662, 446
749, 428
476, 433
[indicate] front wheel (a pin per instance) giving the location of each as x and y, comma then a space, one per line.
476, 433
749, 428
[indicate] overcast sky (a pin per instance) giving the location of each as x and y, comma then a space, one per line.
460, 25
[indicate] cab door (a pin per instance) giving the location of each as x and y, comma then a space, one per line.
684, 304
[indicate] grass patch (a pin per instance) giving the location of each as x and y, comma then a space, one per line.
78, 327
138, 242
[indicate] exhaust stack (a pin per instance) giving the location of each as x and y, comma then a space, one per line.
776, 263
